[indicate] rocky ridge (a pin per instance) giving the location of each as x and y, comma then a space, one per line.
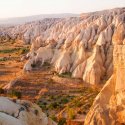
82, 46
108, 107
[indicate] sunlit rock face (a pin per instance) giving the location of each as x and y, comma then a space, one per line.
17, 112
82, 45
109, 106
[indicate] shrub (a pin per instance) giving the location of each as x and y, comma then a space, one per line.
53, 117
15, 93
54, 105
1, 91
23, 50
42, 106
71, 113
3, 59
65, 75
62, 121
64, 100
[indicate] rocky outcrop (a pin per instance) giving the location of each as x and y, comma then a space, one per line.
82, 45
27, 32
109, 106
17, 112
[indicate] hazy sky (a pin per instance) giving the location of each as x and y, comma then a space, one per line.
17, 8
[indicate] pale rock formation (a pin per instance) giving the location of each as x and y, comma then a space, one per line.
79, 71
78, 56
44, 54
83, 45
62, 64
28, 65
94, 69
37, 43
109, 106
17, 112
119, 34
76, 38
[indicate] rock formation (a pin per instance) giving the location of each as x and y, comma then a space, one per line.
109, 106
81, 45
17, 112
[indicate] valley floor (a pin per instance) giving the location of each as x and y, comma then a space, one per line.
59, 96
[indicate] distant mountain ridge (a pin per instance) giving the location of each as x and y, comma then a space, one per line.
21, 20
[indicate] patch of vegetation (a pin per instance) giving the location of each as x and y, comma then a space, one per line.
14, 93
82, 104
53, 105
65, 75
54, 118
13, 50
62, 121
42, 106
49, 103
3, 59
10, 50
71, 113
64, 100
23, 50
70, 104
1, 91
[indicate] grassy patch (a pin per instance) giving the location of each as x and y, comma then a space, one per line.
10, 50
13, 50
65, 75
3, 59
23, 50
1, 91
62, 121
8, 58
14, 93
71, 113
54, 102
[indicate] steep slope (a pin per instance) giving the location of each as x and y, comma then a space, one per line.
108, 107
82, 46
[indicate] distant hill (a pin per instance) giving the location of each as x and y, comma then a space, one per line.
20, 20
